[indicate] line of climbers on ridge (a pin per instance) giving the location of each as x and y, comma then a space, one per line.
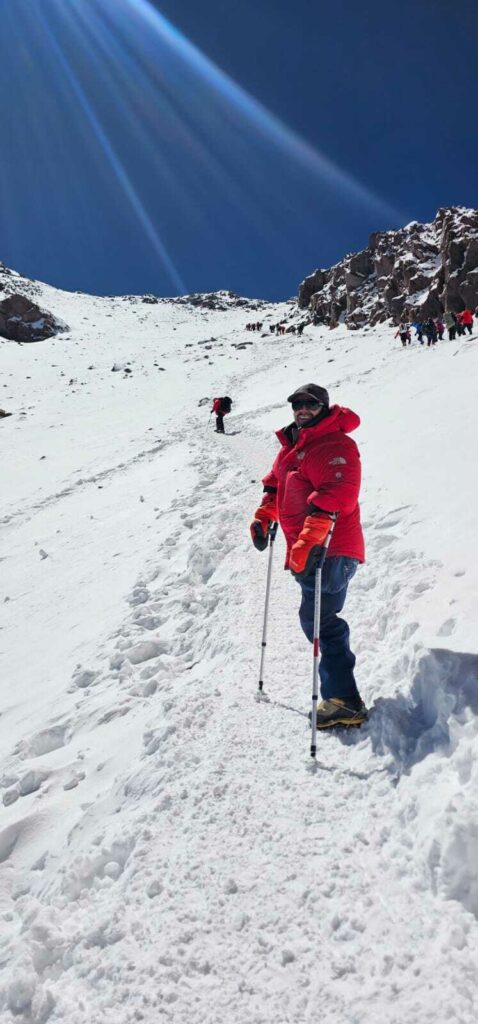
279, 328
433, 329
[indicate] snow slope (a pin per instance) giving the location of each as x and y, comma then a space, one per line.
167, 852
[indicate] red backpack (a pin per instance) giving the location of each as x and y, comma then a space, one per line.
221, 405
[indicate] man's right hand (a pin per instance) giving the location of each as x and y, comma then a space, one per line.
264, 516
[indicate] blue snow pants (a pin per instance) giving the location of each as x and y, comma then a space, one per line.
337, 660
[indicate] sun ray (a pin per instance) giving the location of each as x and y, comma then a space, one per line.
168, 135
158, 111
112, 157
266, 123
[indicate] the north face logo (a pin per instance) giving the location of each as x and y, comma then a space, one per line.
338, 461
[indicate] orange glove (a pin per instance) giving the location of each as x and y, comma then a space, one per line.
309, 550
263, 517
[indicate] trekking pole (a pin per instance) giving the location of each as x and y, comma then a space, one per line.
208, 421
272, 536
316, 644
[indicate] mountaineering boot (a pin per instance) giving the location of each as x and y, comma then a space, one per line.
340, 712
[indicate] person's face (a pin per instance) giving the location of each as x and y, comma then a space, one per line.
305, 409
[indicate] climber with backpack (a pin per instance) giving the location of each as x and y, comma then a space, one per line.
221, 407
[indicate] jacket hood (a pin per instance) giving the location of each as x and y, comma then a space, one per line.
339, 418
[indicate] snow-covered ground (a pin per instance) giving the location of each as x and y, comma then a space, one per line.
167, 852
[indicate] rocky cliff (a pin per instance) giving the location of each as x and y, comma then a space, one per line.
419, 271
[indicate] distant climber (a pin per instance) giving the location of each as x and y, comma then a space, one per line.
450, 324
430, 331
221, 407
417, 324
466, 318
460, 327
403, 333
440, 326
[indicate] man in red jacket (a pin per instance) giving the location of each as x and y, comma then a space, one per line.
315, 478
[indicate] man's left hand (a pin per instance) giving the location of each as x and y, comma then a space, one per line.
309, 550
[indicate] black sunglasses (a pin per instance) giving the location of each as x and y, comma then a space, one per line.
306, 403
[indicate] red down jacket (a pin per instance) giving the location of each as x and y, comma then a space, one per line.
322, 468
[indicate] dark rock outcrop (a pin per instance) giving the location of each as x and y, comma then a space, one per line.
22, 320
419, 271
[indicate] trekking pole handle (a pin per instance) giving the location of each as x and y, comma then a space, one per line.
323, 554
272, 531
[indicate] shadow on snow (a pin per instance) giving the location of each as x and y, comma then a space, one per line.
411, 727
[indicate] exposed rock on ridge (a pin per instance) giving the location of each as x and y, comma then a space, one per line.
221, 300
419, 271
21, 319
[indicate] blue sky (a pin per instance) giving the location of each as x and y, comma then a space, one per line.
177, 146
